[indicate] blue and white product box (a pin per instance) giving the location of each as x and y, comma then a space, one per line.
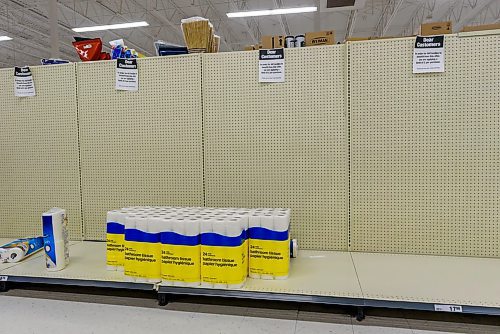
55, 235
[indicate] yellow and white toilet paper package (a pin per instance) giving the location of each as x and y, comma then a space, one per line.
115, 240
142, 250
222, 252
269, 244
180, 242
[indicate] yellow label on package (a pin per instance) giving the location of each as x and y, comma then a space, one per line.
269, 257
115, 255
245, 258
142, 259
180, 263
223, 265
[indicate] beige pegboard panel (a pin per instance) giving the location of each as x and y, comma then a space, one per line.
425, 149
281, 144
140, 148
39, 152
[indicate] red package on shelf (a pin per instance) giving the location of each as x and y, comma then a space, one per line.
105, 56
89, 50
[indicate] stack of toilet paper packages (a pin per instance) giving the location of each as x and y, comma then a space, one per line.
55, 236
269, 243
195, 246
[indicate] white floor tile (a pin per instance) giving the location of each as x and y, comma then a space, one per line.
418, 331
380, 330
307, 327
252, 325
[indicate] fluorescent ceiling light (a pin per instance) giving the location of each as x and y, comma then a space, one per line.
112, 26
5, 38
278, 11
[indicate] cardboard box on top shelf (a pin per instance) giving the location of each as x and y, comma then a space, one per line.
267, 42
481, 27
248, 48
355, 39
273, 42
320, 38
435, 28
279, 41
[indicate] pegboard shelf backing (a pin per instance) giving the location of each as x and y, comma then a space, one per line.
283, 144
425, 149
144, 147
39, 151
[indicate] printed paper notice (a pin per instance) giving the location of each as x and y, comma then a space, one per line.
428, 54
272, 65
127, 75
23, 82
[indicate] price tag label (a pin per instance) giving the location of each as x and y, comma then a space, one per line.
448, 308
4, 278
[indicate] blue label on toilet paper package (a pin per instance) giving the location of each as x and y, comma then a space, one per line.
49, 243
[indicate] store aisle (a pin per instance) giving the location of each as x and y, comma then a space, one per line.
34, 315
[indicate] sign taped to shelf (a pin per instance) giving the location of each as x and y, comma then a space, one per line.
127, 74
272, 65
23, 82
4, 278
428, 54
448, 308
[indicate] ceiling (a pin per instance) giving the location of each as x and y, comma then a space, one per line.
28, 23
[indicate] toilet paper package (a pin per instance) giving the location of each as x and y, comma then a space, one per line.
20, 249
222, 252
180, 242
55, 234
269, 244
142, 250
115, 239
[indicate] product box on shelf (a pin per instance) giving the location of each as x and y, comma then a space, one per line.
481, 27
435, 28
273, 42
320, 38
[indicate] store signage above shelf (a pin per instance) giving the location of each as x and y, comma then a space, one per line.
428, 54
127, 74
23, 82
272, 65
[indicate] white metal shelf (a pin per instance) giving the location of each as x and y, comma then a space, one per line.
343, 278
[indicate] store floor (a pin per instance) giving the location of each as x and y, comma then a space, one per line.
39, 310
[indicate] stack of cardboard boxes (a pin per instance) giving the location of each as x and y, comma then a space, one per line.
328, 37
311, 39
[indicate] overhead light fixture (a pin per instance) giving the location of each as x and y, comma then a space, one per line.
5, 38
112, 26
279, 11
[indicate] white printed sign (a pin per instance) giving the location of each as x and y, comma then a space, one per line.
23, 82
272, 65
428, 54
127, 75
4, 278
448, 308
